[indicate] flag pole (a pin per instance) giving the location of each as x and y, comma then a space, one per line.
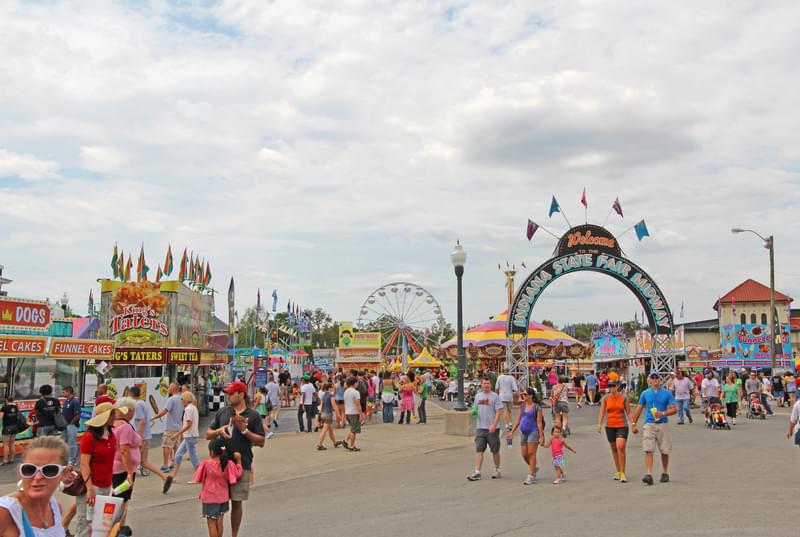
550, 232
626, 231
608, 216
560, 210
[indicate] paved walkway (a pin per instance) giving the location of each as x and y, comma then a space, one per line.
736, 482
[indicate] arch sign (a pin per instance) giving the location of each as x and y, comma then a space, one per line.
590, 247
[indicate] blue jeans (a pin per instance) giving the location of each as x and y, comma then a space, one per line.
765, 403
388, 413
683, 406
70, 436
47, 430
189, 444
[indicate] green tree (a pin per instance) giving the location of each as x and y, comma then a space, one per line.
250, 331
548, 322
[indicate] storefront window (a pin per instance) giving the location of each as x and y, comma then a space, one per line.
31, 373
5, 365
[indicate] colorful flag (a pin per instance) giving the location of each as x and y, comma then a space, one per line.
231, 312
641, 230
115, 262
141, 267
274, 300
583, 199
681, 309
207, 279
168, 261
192, 267
91, 301
182, 270
159, 274
121, 265
532, 227
258, 299
128, 267
617, 207
554, 207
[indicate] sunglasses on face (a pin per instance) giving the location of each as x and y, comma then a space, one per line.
49, 471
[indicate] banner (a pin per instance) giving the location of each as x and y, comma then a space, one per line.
154, 391
607, 346
231, 313
28, 314
81, 348
345, 334
22, 346
751, 342
136, 314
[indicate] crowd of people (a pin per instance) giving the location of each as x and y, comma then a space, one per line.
113, 451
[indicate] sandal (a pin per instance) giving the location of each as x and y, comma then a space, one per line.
321, 448
354, 449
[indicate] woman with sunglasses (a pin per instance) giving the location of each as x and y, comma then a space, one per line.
34, 506
614, 408
531, 427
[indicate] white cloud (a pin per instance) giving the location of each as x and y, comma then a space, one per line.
101, 159
26, 166
321, 150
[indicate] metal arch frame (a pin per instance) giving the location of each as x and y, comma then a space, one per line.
517, 348
412, 308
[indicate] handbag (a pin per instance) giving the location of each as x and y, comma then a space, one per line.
74, 485
22, 424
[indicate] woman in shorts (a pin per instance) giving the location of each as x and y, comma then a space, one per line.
531, 428
615, 408
326, 417
559, 397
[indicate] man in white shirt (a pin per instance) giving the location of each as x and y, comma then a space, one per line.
189, 432
507, 388
353, 413
307, 393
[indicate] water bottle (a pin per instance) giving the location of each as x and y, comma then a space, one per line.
122, 488
509, 441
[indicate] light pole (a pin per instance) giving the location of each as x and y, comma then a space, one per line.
459, 258
769, 244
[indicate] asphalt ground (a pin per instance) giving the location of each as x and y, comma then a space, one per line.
412, 480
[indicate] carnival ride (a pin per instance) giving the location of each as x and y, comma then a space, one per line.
407, 315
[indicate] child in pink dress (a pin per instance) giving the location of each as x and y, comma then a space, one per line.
215, 475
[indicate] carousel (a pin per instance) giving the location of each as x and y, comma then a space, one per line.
486, 344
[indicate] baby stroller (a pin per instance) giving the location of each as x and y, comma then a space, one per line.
755, 409
717, 418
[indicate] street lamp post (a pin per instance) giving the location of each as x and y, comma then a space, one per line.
769, 244
459, 258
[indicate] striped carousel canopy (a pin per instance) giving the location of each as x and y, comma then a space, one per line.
494, 333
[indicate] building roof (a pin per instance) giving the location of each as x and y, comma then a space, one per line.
750, 291
709, 325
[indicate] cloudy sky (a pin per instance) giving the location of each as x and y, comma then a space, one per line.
325, 151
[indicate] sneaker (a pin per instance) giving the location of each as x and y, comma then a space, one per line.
167, 484
497, 474
680, 423
665, 478
558, 481
270, 435
691, 420
165, 469
321, 448
275, 424
622, 478
647, 480
616, 476
144, 472
529, 480
474, 476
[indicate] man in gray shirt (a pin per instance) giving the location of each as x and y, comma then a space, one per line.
172, 437
489, 409
752, 384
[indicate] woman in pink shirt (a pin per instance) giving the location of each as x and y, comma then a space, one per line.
128, 455
215, 475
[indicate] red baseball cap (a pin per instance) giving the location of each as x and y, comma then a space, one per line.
235, 387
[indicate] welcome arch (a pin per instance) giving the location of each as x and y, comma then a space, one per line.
589, 248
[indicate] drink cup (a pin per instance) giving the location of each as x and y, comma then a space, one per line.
107, 510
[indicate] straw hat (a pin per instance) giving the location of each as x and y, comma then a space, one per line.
102, 413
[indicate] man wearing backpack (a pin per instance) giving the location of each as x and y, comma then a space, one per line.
46, 409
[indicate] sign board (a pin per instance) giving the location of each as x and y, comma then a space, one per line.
345, 334
183, 356
143, 356
751, 342
22, 346
27, 314
81, 348
610, 346
593, 248
136, 314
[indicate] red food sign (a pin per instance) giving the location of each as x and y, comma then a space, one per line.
22, 346
81, 348
31, 314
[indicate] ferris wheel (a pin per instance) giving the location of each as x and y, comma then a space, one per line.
406, 315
